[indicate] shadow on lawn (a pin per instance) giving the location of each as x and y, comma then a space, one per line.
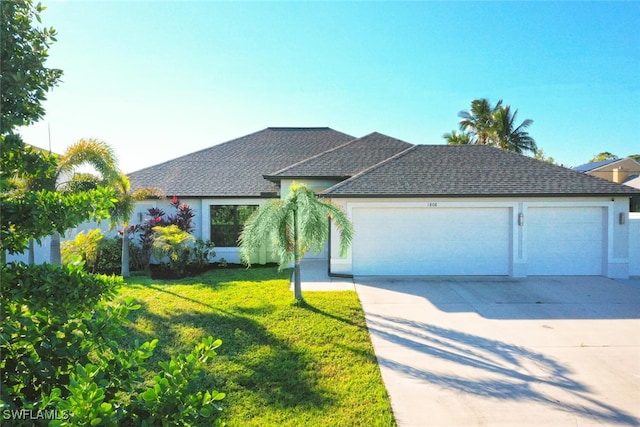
491, 368
249, 358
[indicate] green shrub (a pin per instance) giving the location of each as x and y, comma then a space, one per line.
109, 256
83, 248
60, 335
173, 244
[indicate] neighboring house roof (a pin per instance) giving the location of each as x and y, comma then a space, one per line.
632, 181
235, 168
346, 160
473, 171
588, 167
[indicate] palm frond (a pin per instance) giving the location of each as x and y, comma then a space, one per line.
94, 153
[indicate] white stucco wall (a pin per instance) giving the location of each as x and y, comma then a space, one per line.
634, 244
615, 249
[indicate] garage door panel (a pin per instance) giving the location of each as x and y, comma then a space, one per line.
442, 241
565, 240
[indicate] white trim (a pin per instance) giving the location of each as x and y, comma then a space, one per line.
436, 204
609, 221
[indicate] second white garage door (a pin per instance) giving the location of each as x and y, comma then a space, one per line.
431, 241
565, 240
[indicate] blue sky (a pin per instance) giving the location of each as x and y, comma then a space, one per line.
160, 79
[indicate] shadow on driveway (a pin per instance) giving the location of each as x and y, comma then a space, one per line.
487, 351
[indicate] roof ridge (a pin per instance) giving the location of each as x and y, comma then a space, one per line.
311, 158
370, 168
220, 144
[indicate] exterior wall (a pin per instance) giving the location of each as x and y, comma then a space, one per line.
317, 185
230, 254
629, 166
615, 257
634, 244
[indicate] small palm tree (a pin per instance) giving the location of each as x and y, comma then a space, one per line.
295, 225
86, 152
123, 209
458, 138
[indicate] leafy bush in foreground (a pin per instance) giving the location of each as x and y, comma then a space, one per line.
59, 346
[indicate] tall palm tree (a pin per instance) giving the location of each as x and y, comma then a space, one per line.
295, 225
480, 121
122, 211
511, 137
68, 178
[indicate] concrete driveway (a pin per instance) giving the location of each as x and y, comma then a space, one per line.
545, 351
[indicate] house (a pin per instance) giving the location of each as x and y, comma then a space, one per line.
416, 209
620, 171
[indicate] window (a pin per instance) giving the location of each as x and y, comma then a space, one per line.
227, 222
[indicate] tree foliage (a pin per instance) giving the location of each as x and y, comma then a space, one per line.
605, 155
494, 125
24, 78
295, 225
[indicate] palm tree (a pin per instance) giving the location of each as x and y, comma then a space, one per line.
295, 225
479, 121
458, 138
122, 211
511, 137
492, 125
86, 152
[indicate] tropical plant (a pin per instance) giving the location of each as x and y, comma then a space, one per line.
84, 248
295, 225
172, 243
479, 121
512, 137
492, 125
458, 138
85, 152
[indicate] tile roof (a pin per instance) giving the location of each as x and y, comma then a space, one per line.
346, 160
235, 168
595, 165
473, 171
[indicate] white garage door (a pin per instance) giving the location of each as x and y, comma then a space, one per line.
431, 241
565, 241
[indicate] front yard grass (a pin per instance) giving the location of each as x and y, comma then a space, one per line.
280, 363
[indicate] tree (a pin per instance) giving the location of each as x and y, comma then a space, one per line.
511, 137
541, 155
24, 79
492, 125
458, 138
29, 209
480, 121
85, 152
122, 211
295, 225
605, 155
635, 157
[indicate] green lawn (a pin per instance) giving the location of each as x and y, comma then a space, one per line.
280, 363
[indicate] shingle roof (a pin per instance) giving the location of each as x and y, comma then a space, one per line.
346, 160
235, 168
594, 165
470, 170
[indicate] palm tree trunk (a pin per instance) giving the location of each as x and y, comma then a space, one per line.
297, 287
124, 270
54, 255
